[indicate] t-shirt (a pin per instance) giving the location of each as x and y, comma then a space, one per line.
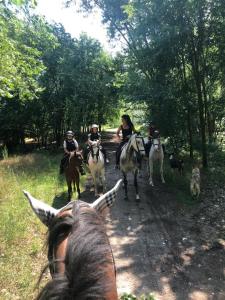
126, 132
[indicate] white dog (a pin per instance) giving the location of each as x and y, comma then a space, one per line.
195, 182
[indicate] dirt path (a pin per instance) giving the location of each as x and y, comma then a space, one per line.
160, 246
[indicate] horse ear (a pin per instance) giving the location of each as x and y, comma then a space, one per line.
107, 199
44, 211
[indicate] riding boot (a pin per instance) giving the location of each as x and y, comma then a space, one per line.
61, 170
62, 165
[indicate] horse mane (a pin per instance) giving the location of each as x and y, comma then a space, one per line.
87, 256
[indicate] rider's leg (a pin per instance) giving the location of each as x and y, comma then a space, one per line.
147, 148
105, 155
86, 150
118, 152
80, 165
63, 163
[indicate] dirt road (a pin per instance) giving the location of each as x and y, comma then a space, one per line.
163, 247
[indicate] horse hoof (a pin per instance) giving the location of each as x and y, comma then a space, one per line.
137, 198
151, 184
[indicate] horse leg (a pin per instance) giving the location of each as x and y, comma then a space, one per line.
125, 185
77, 181
136, 185
161, 171
95, 183
70, 191
103, 179
150, 172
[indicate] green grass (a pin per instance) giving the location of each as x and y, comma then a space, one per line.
22, 236
133, 297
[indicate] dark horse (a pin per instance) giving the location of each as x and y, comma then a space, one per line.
72, 173
80, 257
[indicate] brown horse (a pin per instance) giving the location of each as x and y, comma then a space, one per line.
72, 173
80, 257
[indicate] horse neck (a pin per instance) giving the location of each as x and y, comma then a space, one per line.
154, 151
129, 149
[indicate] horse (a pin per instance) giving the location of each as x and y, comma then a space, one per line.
129, 160
156, 153
80, 257
72, 174
96, 164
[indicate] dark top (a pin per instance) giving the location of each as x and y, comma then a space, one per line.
153, 132
126, 132
70, 145
94, 136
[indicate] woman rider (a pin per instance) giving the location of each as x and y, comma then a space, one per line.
127, 129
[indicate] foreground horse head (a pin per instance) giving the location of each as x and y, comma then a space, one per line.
131, 153
80, 257
156, 153
96, 164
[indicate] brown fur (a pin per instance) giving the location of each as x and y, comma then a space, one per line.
72, 174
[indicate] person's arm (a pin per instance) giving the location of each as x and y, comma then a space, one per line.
89, 140
118, 132
133, 129
65, 149
76, 144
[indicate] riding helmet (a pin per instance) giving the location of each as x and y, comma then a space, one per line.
70, 132
94, 126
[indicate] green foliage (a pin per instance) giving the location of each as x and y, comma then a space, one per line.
133, 297
50, 82
22, 235
5, 153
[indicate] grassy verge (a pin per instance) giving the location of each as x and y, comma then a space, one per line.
22, 255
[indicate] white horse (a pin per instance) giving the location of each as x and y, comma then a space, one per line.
96, 164
156, 153
129, 160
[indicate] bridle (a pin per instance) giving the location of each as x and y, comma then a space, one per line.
156, 144
138, 148
92, 151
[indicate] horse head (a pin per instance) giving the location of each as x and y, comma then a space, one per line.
137, 142
46, 213
156, 144
79, 253
95, 151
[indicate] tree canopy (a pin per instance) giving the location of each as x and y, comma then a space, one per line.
173, 67
50, 81
173, 62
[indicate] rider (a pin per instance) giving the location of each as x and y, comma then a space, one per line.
69, 145
95, 136
153, 133
127, 128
